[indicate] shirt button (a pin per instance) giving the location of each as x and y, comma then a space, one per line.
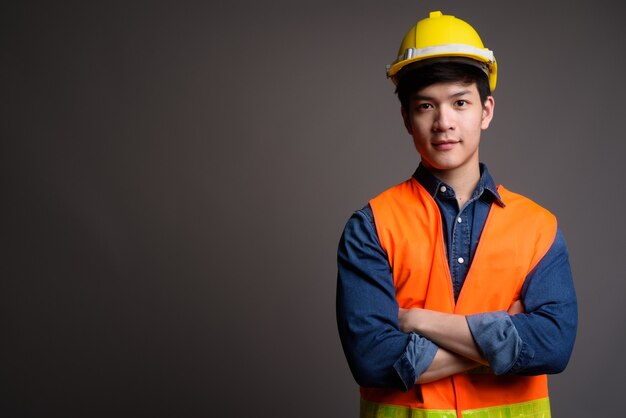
460, 260
459, 220
443, 189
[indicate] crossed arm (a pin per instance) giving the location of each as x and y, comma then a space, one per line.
457, 351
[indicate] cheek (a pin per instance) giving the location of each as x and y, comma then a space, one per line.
474, 126
420, 128
420, 135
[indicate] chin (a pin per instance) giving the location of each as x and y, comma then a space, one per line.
441, 165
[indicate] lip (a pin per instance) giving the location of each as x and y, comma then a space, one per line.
444, 145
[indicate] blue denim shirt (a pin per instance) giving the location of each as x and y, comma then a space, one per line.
380, 355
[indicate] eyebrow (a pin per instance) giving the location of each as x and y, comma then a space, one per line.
417, 96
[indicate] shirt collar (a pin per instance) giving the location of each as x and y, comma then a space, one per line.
485, 189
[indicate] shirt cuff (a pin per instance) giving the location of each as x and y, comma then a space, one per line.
497, 338
417, 357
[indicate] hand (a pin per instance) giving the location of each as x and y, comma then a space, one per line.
516, 308
408, 319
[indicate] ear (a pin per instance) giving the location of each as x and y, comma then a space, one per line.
488, 107
407, 120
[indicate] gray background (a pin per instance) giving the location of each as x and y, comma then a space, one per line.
175, 177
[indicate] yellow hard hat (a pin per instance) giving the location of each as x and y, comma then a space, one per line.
444, 36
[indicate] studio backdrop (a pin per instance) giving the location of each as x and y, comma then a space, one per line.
175, 178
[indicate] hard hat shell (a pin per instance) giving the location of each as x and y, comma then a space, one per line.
446, 36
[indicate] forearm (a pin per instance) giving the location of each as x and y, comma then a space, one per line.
448, 331
446, 363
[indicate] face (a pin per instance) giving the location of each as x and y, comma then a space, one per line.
445, 121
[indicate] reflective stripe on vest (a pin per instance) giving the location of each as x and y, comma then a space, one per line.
513, 241
539, 408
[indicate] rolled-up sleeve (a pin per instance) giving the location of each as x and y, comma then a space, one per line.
541, 339
378, 353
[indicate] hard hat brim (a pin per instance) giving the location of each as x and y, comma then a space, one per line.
487, 63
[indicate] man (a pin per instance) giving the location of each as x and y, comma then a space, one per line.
455, 297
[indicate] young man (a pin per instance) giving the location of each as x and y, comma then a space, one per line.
455, 297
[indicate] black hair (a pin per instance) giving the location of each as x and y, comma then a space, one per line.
415, 77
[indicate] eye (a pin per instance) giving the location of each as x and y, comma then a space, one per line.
461, 103
424, 106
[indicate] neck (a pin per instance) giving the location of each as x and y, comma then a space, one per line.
463, 180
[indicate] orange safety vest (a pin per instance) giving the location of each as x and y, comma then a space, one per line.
514, 239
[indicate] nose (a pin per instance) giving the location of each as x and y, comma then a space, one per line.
444, 120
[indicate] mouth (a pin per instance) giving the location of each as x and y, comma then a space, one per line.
444, 145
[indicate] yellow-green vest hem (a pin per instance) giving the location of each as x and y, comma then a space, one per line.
539, 408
